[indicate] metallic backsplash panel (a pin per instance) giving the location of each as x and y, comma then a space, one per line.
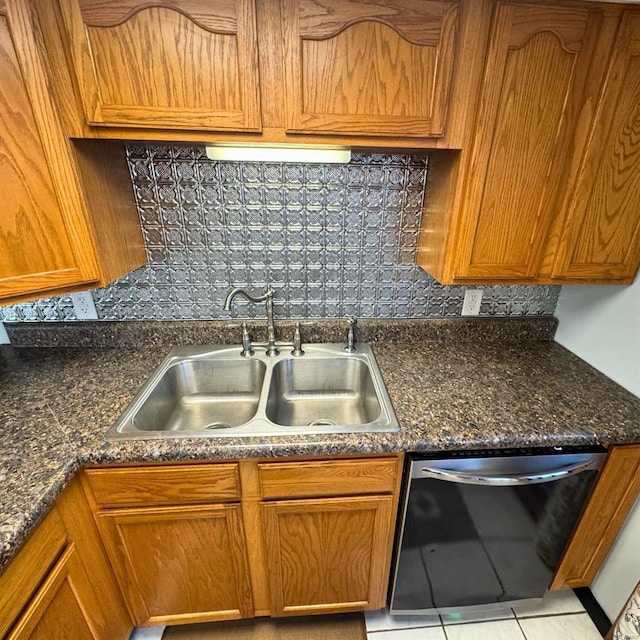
332, 240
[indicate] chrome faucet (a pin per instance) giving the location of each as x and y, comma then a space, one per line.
267, 298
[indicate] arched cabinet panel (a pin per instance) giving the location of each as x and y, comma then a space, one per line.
536, 70
373, 68
601, 236
178, 64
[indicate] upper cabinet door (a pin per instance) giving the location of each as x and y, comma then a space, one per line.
535, 72
44, 243
176, 64
370, 67
601, 238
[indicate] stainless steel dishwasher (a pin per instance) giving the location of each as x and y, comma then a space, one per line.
484, 529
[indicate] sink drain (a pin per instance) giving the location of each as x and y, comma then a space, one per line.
322, 422
218, 425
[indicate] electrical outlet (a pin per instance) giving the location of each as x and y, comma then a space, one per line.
472, 302
83, 305
4, 337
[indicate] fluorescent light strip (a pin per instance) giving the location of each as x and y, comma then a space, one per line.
310, 155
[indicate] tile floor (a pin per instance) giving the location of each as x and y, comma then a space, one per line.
560, 616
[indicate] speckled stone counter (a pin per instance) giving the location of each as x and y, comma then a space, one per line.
470, 386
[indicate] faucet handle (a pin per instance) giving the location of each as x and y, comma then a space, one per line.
297, 342
351, 335
247, 349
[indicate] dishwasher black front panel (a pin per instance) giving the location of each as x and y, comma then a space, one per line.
473, 541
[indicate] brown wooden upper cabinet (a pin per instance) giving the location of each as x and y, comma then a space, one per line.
601, 233
177, 64
274, 71
549, 186
375, 67
51, 238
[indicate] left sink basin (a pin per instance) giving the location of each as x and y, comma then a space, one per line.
202, 394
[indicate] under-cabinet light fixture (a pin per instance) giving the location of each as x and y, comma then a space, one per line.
297, 154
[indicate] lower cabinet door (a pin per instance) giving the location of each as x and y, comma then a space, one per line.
64, 608
180, 564
328, 555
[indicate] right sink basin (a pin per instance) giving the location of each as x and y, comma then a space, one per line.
209, 392
321, 392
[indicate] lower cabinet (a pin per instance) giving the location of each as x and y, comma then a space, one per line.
175, 563
60, 585
64, 607
603, 517
270, 537
327, 555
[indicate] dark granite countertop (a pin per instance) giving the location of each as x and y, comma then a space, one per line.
451, 388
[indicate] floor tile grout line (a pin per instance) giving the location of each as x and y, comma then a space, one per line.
524, 635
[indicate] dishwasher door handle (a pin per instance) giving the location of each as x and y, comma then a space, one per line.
504, 479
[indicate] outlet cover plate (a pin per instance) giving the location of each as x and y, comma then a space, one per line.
83, 305
472, 302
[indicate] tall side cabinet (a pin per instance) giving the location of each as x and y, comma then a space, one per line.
547, 189
601, 234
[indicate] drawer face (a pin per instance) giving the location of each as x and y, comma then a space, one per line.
183, 484
328, 478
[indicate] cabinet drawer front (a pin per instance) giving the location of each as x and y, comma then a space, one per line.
189, 484
328, 478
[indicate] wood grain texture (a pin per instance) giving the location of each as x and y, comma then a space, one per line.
34, 240
601, 237
435, 227
159, 67
446, 180
49, 231
180, 564
612, 499
164, 485
21, 578
111, 621
568, 27
352, 73
111, 13
113, 213
64, 606
524, 145
417, 22
63, 83
58, 156
530, 100
328, 478
327, 555
252, 519
349, 85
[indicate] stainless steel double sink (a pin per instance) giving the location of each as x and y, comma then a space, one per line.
216, 392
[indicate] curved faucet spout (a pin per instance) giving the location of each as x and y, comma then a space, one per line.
237, 291
267, 297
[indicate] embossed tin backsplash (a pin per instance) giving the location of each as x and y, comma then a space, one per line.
332, 240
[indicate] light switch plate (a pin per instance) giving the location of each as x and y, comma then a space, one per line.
83, 305
4, 337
